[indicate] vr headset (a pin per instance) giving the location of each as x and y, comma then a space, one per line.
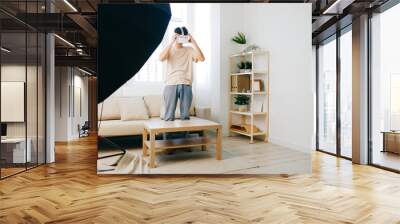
182, 38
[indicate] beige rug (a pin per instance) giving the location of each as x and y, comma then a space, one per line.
126, 163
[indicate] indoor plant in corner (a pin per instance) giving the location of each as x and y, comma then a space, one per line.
242, 101
240, 39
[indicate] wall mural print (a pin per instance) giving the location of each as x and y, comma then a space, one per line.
184, 88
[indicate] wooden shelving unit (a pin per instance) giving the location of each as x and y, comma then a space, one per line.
258, 120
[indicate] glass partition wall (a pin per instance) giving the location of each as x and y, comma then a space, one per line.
385, 89
334, 89
22, 77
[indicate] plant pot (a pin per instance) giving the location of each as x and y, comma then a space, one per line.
242, 108
244, 70
241, 47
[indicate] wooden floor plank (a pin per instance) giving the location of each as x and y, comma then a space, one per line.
70, 191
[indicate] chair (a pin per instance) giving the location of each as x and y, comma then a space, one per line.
84, 129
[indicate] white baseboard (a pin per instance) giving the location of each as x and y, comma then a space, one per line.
290, 145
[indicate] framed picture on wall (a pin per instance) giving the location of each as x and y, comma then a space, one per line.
257, 85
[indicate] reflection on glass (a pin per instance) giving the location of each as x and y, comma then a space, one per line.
327, 97
13, 85
386, 89
31, 100
346, 94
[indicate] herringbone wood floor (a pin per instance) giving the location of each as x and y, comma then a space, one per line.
69, 191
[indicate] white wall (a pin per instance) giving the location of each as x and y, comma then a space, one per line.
288, 39
68, 80
285, 31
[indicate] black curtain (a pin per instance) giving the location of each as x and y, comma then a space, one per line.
128, 35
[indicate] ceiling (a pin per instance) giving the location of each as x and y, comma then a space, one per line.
75, 21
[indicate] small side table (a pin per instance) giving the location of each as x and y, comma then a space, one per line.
391, 141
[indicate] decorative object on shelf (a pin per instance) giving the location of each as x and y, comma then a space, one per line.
245, 66
242, 101
257, 85
240, 83
251, 48
257, 106
245, 128
241, 40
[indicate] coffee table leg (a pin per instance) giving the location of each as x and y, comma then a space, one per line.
144, 139
218, 144
152, 150
203, 147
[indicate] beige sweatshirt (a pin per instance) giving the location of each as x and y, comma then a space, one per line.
179, 66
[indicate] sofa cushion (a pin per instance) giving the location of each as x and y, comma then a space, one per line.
153, 103
133, 108
109, 110
112, 128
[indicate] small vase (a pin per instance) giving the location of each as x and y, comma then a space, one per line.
242, 108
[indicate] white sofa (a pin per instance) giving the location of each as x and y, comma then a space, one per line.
125, 116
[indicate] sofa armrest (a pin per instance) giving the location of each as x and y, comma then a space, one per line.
203, 112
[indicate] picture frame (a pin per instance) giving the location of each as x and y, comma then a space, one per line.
257, 85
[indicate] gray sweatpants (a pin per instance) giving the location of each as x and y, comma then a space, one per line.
171, 95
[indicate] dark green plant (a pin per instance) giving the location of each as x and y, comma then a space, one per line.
244, 65
248, 64
240, 38
241, 65
242, 100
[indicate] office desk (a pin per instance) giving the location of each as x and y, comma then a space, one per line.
13, 150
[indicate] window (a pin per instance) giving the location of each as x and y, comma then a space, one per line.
153, 70
394, 101
385, 88
346, 94
149, 79
327, 97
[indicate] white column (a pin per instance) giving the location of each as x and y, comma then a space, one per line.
360, 90
50, 99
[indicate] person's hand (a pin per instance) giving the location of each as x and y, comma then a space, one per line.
190, 38
174, 36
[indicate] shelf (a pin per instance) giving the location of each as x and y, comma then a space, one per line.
248, 53
180, 143
249, 73
245, 133
253, 93
248, 113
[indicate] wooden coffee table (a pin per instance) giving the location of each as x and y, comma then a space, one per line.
155, 127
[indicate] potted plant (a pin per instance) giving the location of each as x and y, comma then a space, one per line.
244, 66
240, 39
242, 101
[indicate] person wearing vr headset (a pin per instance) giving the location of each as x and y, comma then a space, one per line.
179, 75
